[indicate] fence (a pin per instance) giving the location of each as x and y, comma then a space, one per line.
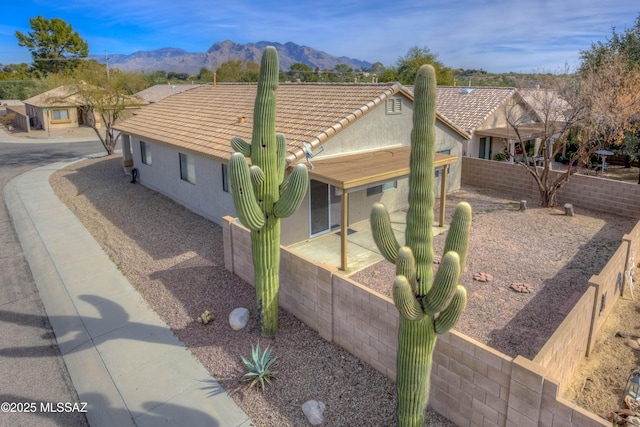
471, 383
589, 192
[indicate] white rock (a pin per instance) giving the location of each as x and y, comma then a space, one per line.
313, 410
239, 318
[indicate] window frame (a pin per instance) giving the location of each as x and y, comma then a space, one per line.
145, 153
53, 112
187, 168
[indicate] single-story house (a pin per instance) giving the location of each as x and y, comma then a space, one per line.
62, 107
355, 139
482, 113
55, 109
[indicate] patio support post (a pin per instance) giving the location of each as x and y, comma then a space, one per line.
127, 160
344, 220
443, 195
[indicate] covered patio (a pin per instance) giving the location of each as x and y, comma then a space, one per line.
355, 172
525, 133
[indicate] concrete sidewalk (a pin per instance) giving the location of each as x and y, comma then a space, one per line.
122, 358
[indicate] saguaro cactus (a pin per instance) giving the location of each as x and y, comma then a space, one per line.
261, 194
428, 306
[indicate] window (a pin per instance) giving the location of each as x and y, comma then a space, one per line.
225, 178
377, 189
187, 168
60, 116
394, 106
145, 152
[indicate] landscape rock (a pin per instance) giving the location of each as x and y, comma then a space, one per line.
313, 410
239, 318
482, 277
523, 288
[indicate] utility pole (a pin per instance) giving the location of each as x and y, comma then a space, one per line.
106, 57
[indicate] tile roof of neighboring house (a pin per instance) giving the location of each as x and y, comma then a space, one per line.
159, 92
58, 97
204, 119
469, 107
547, 104
67, 96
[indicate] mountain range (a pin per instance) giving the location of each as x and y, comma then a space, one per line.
181, 61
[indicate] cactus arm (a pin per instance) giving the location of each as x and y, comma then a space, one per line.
281, 144
294, 190
444, 286
241, 146
244, 200
450, 316
458, 235
405, 300
383, 233
257, 176
406, 266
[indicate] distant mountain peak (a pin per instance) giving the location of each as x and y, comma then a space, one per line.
179, 60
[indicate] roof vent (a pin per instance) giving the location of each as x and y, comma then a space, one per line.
466, 91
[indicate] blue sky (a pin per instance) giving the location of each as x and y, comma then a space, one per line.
497, 36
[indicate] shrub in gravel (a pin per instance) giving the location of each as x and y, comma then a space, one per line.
428, 306
259, 367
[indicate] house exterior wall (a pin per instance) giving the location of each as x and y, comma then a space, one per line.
373, 132
205, 197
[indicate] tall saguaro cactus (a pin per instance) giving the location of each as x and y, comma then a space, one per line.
261, 193
428, 306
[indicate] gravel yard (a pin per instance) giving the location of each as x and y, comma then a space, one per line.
175, 260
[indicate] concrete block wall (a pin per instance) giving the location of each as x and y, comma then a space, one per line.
365, 324
471, 384
567, 347
589, 192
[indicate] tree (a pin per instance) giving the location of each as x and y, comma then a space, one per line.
301, 71
542, 122
409, 65
205, 75
591, 110
54, 46
236, 70
173, 75
104, 96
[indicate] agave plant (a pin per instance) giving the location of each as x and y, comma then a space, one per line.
259, 367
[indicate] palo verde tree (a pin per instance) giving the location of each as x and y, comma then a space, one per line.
102, 97
428, 305
54, 46
261, 193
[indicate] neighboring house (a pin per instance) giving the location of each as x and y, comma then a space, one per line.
64, 107
360, 134
482, 113
55, 109
159, 92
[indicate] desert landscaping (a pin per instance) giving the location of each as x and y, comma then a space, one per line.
174, 258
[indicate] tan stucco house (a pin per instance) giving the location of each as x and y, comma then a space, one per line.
56, 109
482, 113
354, 138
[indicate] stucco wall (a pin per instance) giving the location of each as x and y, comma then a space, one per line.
205, 197
374, 131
